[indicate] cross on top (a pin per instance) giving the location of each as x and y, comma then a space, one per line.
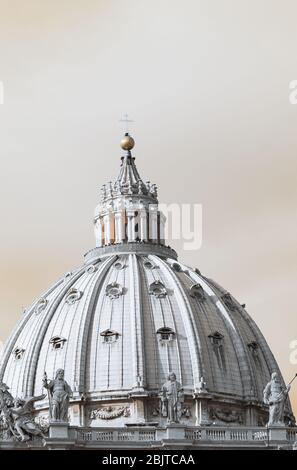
126, 120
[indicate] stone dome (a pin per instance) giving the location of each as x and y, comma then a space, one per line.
131, 314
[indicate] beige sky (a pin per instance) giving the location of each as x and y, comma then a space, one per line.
207, 83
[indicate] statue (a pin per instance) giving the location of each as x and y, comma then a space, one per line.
23, 422
6, 399
6, 402
172, 399
59, 393
275, 396
16, 415
202, 386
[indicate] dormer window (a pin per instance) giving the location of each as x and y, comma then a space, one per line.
217, 340
197, 292
57, 342
253, 346
176, 267
148, 265
109, 336
18, 353
165, 334
158, 290
229, 302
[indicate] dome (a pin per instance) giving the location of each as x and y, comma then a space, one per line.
130, 315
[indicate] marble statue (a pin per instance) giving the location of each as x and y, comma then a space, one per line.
275, 396
16, 415
6, 399
172, 399
6, 402
59, 393
23, 421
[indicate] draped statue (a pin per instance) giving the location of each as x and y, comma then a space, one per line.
172, 398
59, 393
275, 395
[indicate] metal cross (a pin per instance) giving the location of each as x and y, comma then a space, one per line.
126, 120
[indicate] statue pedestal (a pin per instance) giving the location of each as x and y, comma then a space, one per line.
58, 430
175, 431
277, 433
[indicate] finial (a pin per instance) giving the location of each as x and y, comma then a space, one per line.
127, 143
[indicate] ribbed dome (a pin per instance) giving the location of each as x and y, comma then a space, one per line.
134, 297
130, 315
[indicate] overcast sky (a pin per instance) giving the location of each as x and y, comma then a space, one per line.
207, 83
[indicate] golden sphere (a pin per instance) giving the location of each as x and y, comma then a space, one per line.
127, 143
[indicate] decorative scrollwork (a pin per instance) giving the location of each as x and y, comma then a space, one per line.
91, 269
226, 416
110, 412
40, 306
43, 423
114, 290
73, 296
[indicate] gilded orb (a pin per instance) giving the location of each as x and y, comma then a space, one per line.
127, 143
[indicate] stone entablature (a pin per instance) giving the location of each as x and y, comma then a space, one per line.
133, 247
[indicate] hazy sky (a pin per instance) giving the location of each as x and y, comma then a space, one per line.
207, 83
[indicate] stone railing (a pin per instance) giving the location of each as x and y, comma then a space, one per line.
226, 434
197, 434
157, 437
292, 434
120, 434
